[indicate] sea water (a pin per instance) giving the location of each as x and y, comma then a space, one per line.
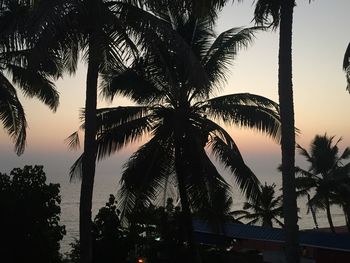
108, 184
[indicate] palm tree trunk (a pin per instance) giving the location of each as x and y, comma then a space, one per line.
346, 209
313, 213
329, 216
89, 157
185, 206
285, 91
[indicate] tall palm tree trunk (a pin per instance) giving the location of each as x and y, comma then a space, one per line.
89, 157
285, 91
329, 215
185, 206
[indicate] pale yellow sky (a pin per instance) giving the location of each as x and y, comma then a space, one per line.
321, 34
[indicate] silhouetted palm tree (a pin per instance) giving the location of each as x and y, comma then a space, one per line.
84, 26
23, 65
176, 111
100, 29
342, 198
325, 175
282, 16
346, 66
265, 210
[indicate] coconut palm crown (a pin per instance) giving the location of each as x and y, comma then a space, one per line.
178, 114
267, 209
326, 174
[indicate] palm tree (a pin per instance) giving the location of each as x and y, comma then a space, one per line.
101, 30
175, 110
90, 27
326, 174
266, 209
282, 15
342, 198
346, 66
23, 65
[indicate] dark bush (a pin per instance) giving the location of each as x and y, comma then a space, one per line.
30, 217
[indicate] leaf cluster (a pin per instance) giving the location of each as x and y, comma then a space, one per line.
30, 221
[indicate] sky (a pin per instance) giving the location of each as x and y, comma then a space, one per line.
320, 36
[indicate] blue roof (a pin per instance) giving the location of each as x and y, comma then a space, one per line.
205, 234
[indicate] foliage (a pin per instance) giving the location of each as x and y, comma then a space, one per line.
108, 234
30, 229
158, 232
346, 66
150, 229
24, 65
217, 211
176, 110
104, 31
172, 87
267, 209
328, 177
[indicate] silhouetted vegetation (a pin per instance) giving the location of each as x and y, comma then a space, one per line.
152, 232
265, 210
346, 66
24, 66
155, 234
30, 217
327, 179
177, 108
280, 14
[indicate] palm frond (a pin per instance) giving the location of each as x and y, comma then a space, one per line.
113, 139
279, 222
12, 114
232, 159
151, 29
144, 175
267, 12
346, 66
130, 84
114, 116
247, 110
223, 51
346, 60
76, 170
203, 181
35, 84
239, 214
302, 151
73, 141
345, 155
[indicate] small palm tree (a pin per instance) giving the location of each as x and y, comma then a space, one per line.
325, 175
265, 210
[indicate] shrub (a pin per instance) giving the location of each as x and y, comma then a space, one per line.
30, 229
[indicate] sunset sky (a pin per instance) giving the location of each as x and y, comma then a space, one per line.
321, 34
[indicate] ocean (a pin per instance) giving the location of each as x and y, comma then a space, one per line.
106, 185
